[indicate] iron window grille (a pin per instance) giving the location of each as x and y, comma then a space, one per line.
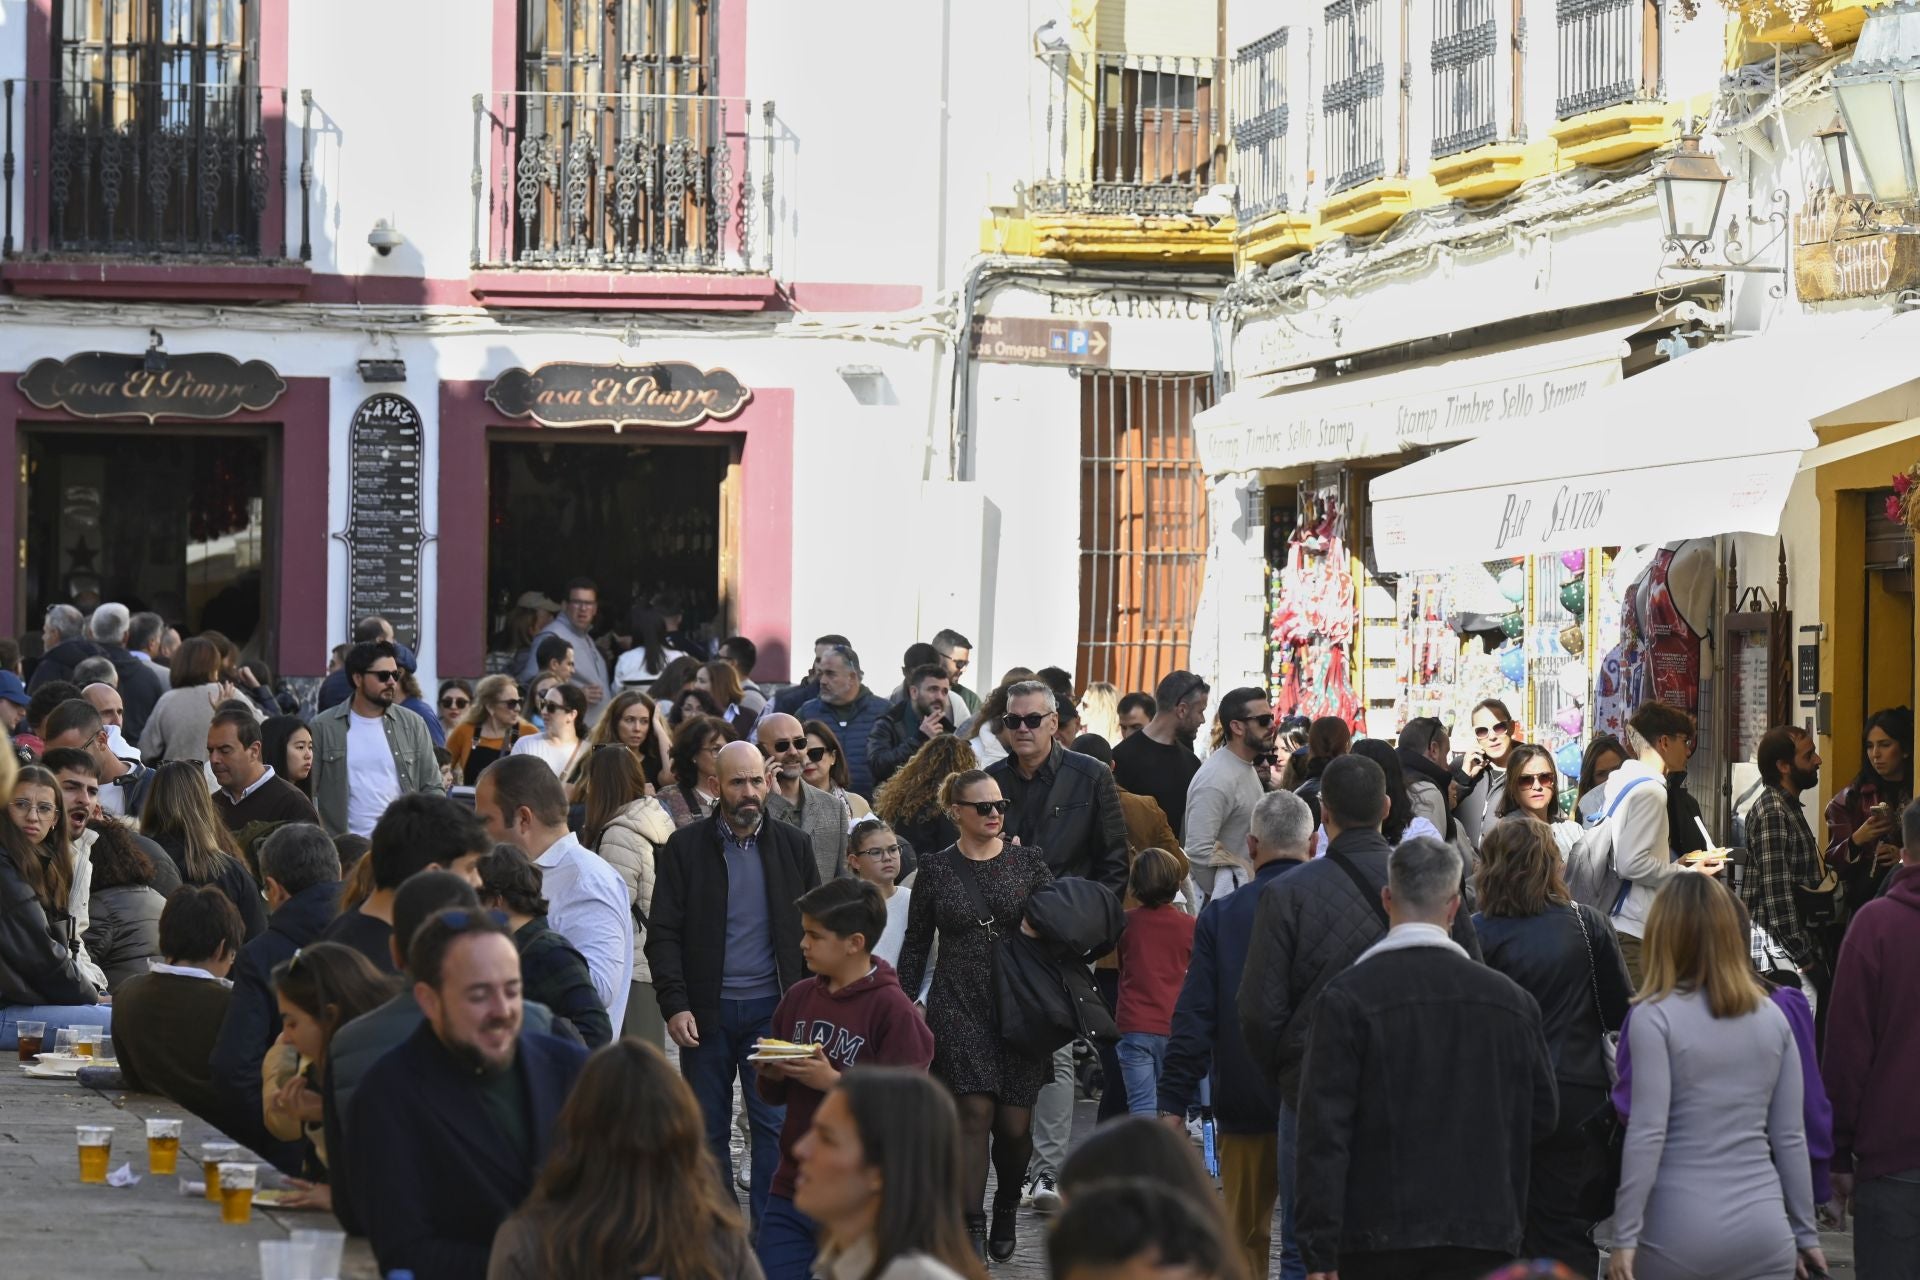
1355, 100
1608, 53
1260, 126
1464, 96
1130, 133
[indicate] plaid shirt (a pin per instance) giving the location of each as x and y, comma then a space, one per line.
1782, 853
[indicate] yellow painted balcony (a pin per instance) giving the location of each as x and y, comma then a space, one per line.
1367, 208
1277, 235
1486, 172
1614, 133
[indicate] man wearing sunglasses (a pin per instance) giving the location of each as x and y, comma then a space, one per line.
791, 800
956, 653
369, 750
1221, 797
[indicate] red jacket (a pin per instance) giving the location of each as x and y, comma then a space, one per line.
866, 1023
1873, 1036
1154, 952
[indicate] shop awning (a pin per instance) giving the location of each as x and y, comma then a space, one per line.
1705, 445
1408, 407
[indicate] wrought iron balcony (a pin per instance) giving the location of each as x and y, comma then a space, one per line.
143, 170
1260, 112
1134, 134
1464, 96
623, 182
1609, 53
1355, 94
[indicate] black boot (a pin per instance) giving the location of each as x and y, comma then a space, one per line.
977, 1234
1002, 1240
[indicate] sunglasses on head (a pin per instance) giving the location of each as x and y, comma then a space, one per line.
1031, 721
1489, 730
985, 808
1536, 779
789, 744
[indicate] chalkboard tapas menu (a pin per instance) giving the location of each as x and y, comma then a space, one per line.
384, 528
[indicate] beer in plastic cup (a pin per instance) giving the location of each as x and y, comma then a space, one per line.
86, 1040
96, 1144
163, 1146
33, 1035
211, 1154
236, 1192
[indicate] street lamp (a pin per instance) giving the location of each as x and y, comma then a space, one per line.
1833, 143
1878, 89
1689, 188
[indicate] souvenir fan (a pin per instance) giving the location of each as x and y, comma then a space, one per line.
1574, 561
1573, 597
1513, 584
1513, 663
1572, 679
1570, 720
1567, 759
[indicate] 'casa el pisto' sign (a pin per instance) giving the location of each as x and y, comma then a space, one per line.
113, 384
670, 393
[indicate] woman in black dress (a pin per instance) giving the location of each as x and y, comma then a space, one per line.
996, 1085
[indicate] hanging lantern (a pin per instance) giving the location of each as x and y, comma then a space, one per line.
1573, 597
1513, 663
1574, 561
1513, 584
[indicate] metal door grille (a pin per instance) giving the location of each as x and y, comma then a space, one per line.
1463, 71
1355, 97
1260, 125
1143, 524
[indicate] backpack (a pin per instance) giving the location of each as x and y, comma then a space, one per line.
1591, 877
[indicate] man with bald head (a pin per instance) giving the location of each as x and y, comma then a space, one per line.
723, 941
824, 817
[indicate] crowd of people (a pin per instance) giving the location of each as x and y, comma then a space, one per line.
499, 991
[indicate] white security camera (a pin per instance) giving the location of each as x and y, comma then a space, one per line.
384, 238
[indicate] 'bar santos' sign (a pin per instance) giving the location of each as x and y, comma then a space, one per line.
113, 384
671, 393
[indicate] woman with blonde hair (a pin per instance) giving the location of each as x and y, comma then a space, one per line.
179, 817
1711, 1092
1100, 711
909, 801
489, 728
624, 825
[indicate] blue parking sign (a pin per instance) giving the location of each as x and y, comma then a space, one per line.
1077, 342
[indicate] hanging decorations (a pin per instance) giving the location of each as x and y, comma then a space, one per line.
1312, 625
1514, 625
1574, 561
1573, 597
1572, 679
1513, 663
1902, 509
1573, 638
1513, 584
1568, 759
1570, 720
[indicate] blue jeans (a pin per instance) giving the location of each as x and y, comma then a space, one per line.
1291, 1267
710, 1068
1141, 1054
58, 1017
787, 1242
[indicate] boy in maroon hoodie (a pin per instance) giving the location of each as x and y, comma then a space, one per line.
853, 1013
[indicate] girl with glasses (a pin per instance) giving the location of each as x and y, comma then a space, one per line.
492, 725
562, 708
38, 944
1532, 789
874, 854
826, 768
995, 1083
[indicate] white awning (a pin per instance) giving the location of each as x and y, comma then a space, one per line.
1706, 445
1409, 407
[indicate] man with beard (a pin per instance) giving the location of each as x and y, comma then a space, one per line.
369, 750
1782, 854
918, 716
791, 800
724, 944
1224, 790
1158, 761
450, 1127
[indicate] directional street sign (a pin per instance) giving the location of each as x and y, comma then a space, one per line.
1020, 340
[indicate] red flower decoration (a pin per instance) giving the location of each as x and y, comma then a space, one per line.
1902, 483
1895, 512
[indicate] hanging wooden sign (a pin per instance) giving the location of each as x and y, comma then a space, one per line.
115, 384
670, 393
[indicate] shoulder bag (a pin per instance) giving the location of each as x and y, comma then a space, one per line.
1603, 1129
1032, 1008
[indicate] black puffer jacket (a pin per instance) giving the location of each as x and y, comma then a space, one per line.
1311, 925
36, 966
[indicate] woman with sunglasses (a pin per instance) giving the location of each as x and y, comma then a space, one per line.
561, 711
996, 1084
827, 768
1532, 790
454, 698
1494, 735
489, 729
38, 940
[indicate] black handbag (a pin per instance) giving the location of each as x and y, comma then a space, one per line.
1034, 1010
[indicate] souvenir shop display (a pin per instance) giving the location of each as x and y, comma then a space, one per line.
1311, 633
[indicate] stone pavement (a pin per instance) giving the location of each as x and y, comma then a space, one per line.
148, 1230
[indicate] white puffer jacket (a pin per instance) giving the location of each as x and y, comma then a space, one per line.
628, 844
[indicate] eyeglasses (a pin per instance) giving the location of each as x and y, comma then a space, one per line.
575, 603
553, 708
1536, 780
385, 677
29, 808
1497, 729
985, 808
788, 744
884, 851
711, 749
1265, 722
1030, 721
455, 704
817, 754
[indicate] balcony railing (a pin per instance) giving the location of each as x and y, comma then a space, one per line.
1464, 107
623, 182
1130, 134
1355, 96
1609, 53
1260, 126
133, 169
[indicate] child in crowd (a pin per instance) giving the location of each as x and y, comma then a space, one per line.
852, 1012
1154, 951
873, 855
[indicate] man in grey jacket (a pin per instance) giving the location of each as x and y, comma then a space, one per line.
1312, 923
369, 750
791, 800
575, 626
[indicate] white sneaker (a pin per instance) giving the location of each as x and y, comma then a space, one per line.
1046, 1196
